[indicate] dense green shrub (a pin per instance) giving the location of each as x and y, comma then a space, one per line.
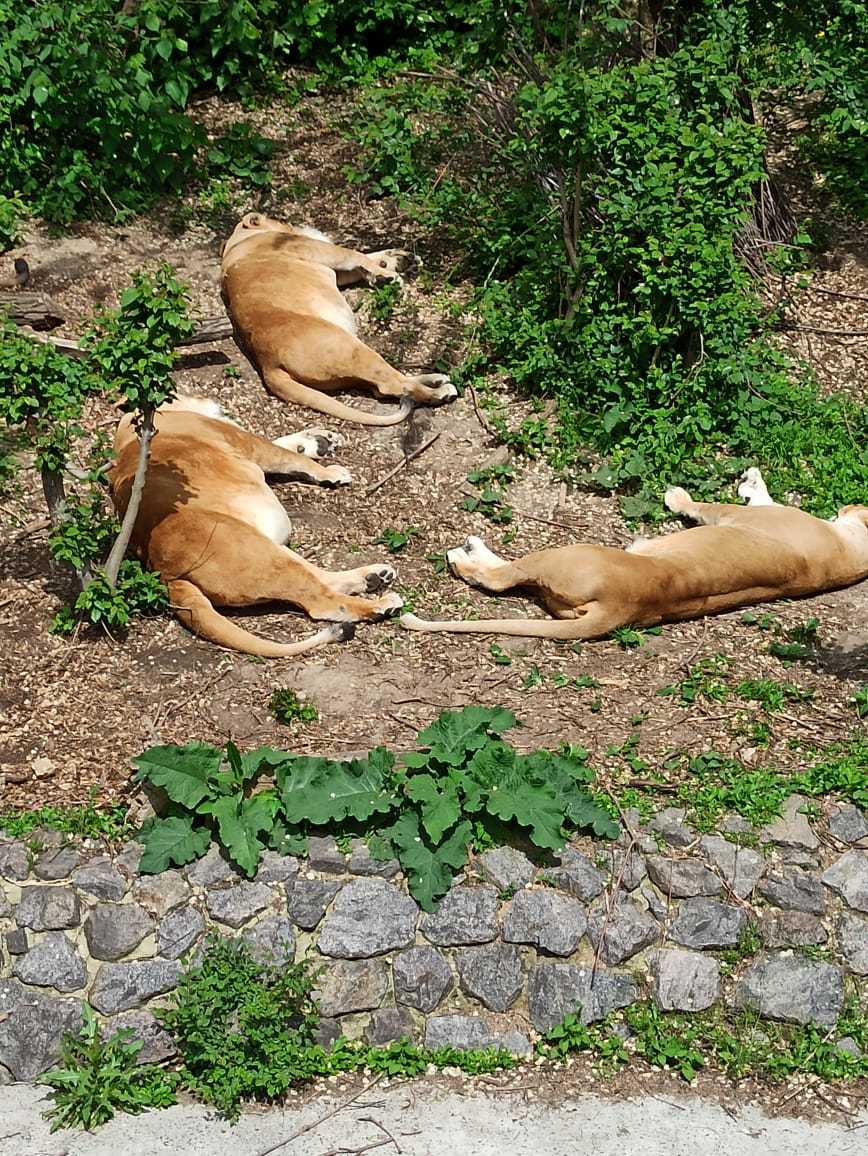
84, 132
819, 49
129, 356
238, 46
96, 1077
604, 226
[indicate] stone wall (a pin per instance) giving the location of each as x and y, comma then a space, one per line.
510, 950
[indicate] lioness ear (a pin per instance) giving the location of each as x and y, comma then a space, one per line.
859, 512
253, 220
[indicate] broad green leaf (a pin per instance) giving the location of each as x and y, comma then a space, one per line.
320, 791
531, 807
236, 835
287, 840
429, 871
236, 769
173, 840
583, 811
439, 807
258, 812
454, 850
182, 772
457, 733
261, 758
492, 765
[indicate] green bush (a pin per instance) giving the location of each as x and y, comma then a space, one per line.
239, 46
129, 356
85, 132
244, 1029
602, 209
11, 213
819, 50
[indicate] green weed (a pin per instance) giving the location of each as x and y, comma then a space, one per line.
382, 301
395, 540
95, 1078
287, 708
629, 638
491, 502
859, 701
86, 821
704, 680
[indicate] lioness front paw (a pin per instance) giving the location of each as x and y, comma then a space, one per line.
338, 476
458, 559
444, 393
312, 443
325, 440
677, 499
392, 262
378, 578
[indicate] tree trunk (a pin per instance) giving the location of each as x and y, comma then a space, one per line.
119, 549
55, 498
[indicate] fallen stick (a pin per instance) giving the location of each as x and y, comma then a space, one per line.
211, 330
405, 462
320, 1120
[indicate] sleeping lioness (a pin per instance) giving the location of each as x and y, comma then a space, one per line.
215, 531
281, 285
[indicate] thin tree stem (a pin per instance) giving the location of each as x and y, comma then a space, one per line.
55, 498
119, 549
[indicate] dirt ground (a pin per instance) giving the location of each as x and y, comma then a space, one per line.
72, 714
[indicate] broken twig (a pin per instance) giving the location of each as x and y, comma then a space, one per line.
405, 462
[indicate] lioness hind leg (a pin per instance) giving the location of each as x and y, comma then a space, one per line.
753, 489
323, 356
235, 564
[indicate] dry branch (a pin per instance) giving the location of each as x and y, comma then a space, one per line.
211, 330
404, 462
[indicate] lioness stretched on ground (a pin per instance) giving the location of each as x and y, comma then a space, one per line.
739, 555
211, 526
281, 285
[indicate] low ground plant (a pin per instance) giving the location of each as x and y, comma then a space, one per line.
245, 1031
711, 785
395, 540
87, 821
739, 1044
96, 1077
426, 807
287, 708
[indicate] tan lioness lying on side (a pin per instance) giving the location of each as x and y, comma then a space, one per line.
211, 526
281, 285
737, 556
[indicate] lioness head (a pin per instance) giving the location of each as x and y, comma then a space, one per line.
252, 223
